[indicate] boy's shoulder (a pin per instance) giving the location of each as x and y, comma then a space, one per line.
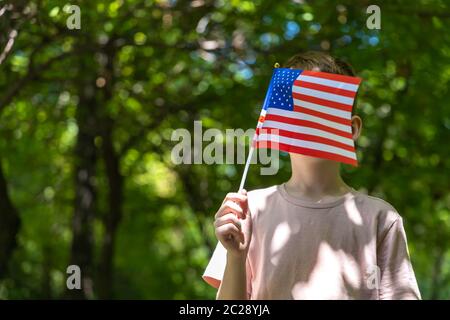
259, 198
376, 206
263, 192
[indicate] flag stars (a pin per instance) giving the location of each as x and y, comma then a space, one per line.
282, 88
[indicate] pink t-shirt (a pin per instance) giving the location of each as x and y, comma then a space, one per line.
351, 248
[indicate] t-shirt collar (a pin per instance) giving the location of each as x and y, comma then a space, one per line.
311, 204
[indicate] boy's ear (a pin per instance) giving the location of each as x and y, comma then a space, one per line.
356, 127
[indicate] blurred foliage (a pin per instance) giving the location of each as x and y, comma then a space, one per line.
176, 61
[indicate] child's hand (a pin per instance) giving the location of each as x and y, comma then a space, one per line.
233, 224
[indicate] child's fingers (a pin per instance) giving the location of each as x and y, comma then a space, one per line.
230, 206
230, 229
236, 197
228, 218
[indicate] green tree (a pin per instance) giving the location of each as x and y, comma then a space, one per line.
86, 118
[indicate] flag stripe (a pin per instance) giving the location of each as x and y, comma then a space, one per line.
328, 82
323, 95
308, 137
322, 109
306, 144
333, 76
307, 121
307, 130
308, 117
315, 86
346, 122
307, 152
323, 102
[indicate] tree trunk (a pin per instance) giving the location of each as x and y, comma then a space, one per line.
9, 218
111, 159
85, 191
9, 225
112, 218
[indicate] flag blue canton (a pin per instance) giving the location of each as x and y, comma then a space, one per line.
280, 91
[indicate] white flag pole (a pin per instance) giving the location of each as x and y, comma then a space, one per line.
250, 152
247, 164
220, 253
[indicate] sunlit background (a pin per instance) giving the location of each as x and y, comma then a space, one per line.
86, 118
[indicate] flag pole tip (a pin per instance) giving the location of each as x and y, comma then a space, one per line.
276, 65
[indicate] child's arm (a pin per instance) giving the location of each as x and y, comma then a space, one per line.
233, 229
234, 282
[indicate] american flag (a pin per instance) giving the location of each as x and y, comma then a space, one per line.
309, 112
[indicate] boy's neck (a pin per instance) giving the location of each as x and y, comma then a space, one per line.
316, 180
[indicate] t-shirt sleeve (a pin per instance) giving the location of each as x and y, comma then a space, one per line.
216, 267
397, 279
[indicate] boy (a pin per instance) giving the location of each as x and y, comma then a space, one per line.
313, 237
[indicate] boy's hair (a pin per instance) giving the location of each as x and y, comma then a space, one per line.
324, 62
316, 59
